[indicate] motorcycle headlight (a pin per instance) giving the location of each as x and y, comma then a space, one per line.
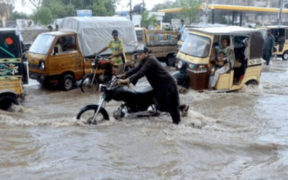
42, 65
179, 64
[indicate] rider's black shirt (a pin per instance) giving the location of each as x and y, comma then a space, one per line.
150, 67
162, 82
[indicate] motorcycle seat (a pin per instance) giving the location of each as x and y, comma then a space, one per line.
146, 90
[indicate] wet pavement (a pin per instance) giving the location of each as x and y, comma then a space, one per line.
239, 135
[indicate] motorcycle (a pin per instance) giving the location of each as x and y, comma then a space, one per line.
135, 103
101, 73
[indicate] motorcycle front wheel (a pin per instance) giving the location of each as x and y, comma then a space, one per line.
89, 84
87, 114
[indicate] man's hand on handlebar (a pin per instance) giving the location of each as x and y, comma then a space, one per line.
123, 81
121, 76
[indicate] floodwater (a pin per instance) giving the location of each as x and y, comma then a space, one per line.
239, 135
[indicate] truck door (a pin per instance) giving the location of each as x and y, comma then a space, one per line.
66, 57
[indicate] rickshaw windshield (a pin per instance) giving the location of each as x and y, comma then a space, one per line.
42, 44
9, 45
197, 46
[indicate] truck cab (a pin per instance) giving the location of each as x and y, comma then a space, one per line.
13, 70
55, 57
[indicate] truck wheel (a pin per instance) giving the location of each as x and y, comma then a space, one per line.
6, 100
285, 56
67, 82
170, 60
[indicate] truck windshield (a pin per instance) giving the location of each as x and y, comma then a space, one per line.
42, 44
9, 45
197, 46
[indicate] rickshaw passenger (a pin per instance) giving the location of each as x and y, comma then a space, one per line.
222, 66
228, 51
241, 61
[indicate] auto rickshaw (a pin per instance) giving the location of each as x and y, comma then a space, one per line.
13, 70
199, 53
280, 34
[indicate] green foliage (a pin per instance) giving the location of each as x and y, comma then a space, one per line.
147, 21
18, 15
103, 8
63, 8
190, 9
43, 16
58, 9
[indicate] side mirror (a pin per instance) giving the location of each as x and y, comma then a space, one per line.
56, 51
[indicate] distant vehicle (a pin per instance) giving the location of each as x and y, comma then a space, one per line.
163, 44
198, 54
59, 57
280, 34
13, 70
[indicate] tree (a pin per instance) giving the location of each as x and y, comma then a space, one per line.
35, 3
58, 9
147, 21
190, 9
17, 15
103, 8
63, 8
6, 8
43, 15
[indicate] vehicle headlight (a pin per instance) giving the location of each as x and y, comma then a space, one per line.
191, 66
179, 64
42, 65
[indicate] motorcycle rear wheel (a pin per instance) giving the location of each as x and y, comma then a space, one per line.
87, 113
88, 84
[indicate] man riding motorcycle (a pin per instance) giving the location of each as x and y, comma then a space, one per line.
164, 85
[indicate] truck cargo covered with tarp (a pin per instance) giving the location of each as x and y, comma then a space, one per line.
94, 33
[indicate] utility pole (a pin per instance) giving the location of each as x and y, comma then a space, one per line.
280, 12
143, 4
130, 12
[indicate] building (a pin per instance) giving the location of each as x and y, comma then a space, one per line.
241, 12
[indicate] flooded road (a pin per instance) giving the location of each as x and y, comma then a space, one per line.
240, 135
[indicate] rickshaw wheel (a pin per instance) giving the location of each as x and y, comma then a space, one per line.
285, 56
252, 83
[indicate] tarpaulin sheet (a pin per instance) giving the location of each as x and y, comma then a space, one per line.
94, 33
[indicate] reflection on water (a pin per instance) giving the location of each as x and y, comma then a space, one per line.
240, 135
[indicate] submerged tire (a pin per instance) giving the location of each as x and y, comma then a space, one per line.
67, 82
170, 60
285, 56
87, 113
87, 85
252, 83
6, 101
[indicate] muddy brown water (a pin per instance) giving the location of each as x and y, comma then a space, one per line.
239, 135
